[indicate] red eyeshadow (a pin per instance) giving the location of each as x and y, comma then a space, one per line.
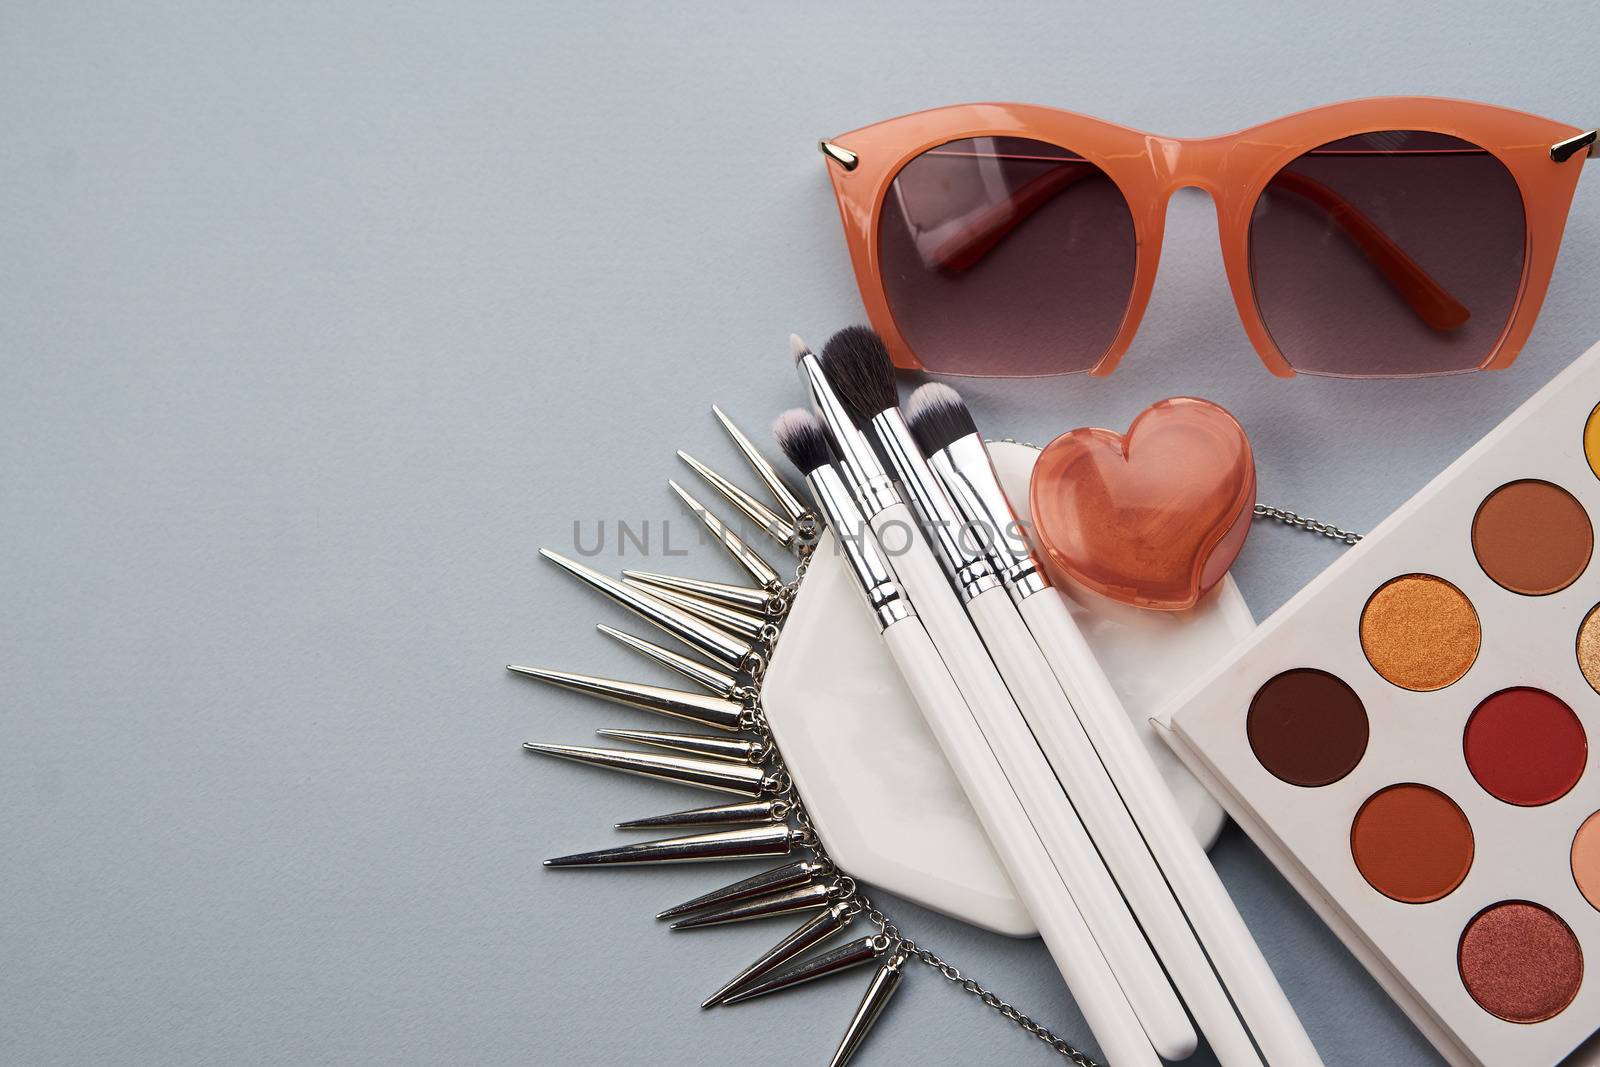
1525, 746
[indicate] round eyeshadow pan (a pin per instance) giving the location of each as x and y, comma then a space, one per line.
1532, 537
1307, 727
1520, 962
1591, 440
1589, 647
1420, 632
1525, 747
1411, 843
1586, 859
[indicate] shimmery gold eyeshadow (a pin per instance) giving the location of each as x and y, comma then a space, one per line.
1591, 440
1532, 537
1589, 647
1420, 632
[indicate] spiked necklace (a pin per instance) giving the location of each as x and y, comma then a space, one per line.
736, 627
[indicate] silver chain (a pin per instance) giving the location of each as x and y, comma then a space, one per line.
913, 950
1310, 525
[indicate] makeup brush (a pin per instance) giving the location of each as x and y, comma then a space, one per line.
957, 453
857, 364
1055, 723
1039, 884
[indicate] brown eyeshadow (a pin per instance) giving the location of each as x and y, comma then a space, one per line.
1532, 537
1412, 843
1307, 727
1520, 962
1420, 632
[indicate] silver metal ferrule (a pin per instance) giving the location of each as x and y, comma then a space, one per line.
963, 467
861, 550
963, 555
865, 473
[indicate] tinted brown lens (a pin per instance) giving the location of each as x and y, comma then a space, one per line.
1006, 256
1388, 254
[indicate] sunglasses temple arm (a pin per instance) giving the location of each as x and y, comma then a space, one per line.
1431, 302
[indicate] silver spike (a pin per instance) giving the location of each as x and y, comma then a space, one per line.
854, 954
790, 874
742, 553
779, 529
816, 895
686, 628
798, 513
719, 775
696, 848
808, 934
718, 681
716, 712
879, 990
744, 597
732, 621
744, 812
732, 749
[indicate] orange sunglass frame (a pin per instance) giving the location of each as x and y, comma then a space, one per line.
1543, 156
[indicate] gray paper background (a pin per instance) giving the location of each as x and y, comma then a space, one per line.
318, 320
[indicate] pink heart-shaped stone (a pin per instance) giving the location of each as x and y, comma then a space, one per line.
1153, 517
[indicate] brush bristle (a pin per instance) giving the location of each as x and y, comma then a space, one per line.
938, 416
858, 366
800, 436
797, 348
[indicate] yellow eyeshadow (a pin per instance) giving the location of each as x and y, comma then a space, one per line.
1591, 440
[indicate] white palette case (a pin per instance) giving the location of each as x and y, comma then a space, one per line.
1521, 853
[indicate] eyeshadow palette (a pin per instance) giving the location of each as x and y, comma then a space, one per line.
1409, 739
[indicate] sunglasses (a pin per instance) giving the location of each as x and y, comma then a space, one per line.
1396, 237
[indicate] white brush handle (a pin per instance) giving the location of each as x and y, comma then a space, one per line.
1015, 841
1055, 723
1061, 817
1220, 928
